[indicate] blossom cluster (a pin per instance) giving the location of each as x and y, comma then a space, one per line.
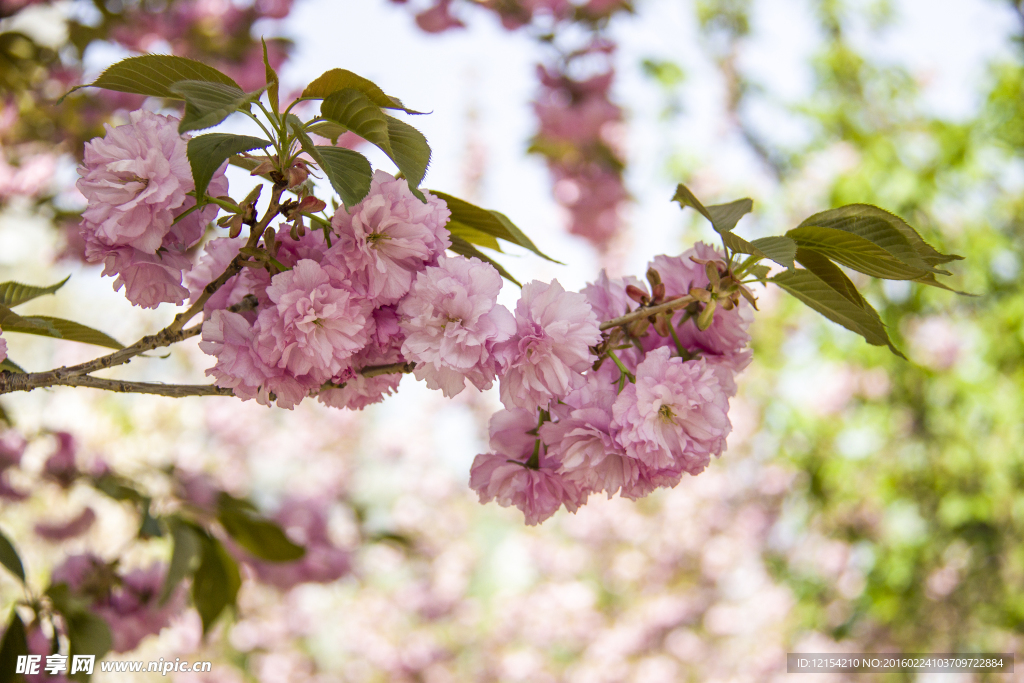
140, 220
340, 312
588, 430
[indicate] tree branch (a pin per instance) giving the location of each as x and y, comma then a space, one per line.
646, 311
123, 387
390, 369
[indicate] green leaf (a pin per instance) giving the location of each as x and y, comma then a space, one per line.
12, 322
14, 645
10, 366
403, 144
10, 559
153, 75
740, 245
348, 171
273, 83
473, 236
89, 634
334, 80
215, 583
464, 248
207, 152
930, 280
410, 152
490, 222
885, 230
356, 112
836, 306
830, 274
258, 535
15, 293
328, 129
759, 271
778, 249
58, 328
207, 104
724, 217
188, 547
856, 252
5, 417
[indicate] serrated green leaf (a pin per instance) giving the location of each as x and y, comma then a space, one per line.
58, 328
349, 172
740, 245
492, 223
188, 547
258, 535
207, 104
14, 645
930, 280
215, 583
759, 271
409, 151
782, 250
12, 322
356, 112
15, 293
207, 152
856, 252
836, 306
473, 236
334, 80
9, 558
153, 75
464, 248
10, 366
886, 230
273, 82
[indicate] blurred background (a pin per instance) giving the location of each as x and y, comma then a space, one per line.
865, 503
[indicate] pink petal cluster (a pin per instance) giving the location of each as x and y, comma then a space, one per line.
676, 415
507, 477
217, 256
388, 237
354, 390
129, 603
551, 346
135, 179
583, 440
58, 532
305, 522
452, 324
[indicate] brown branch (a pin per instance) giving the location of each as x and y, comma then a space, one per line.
124, 387
646, 311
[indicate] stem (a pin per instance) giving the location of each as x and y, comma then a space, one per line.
123, 387
683, 353
390, 369
622, 368
259, 123
645, 311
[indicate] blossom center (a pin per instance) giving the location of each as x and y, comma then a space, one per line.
666, 413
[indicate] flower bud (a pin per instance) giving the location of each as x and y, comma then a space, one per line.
297, 173
636, 294
701, 295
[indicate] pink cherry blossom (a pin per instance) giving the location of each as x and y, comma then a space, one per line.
388, 237
135, 178
506, 477
452, 323
356, 391
608, 296
551, 347
676, 414
229, 337
60, 466
315, 327
217, 256
583, 440
148, 279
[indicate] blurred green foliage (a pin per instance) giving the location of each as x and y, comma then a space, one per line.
923, 483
